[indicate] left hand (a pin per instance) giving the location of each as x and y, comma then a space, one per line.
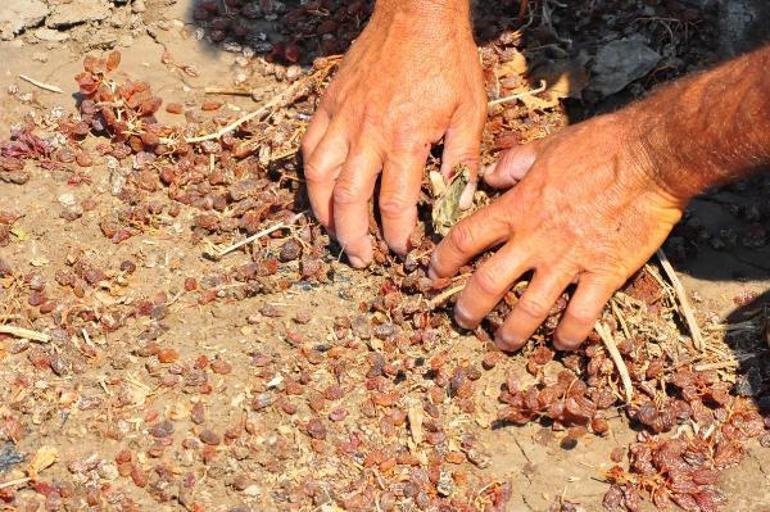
588, 209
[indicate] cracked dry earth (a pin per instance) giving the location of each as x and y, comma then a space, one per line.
165, 412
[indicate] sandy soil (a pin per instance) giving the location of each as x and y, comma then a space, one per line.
531, 457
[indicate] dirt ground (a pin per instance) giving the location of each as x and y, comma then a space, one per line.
76, 412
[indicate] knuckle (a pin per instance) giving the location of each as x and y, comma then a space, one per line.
313, 172
487, 280
346, 192
403, 140
463, 238
582, 316
394, 206
533, 307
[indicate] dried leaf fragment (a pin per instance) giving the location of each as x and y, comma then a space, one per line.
446, 209
44, 458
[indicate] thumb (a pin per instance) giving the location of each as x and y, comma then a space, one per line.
462, 146
512, 166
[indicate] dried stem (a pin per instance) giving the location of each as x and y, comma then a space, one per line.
684, 303
267, 107
21, 332
14, 483
609, 342
42, 85
227, 92
218, 253
513, 97
282, 100
443, 296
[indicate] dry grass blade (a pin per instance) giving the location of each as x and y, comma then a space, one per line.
444, 296
21, 332
277, 101
609, 342
282, 100
14, 483
513, 97
42, 85
218, 253
684, 303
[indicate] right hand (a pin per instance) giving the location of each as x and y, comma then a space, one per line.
412, 78
590, 209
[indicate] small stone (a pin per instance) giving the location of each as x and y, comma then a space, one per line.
17, 15
108, 471
48, 35
76, 12
138, 7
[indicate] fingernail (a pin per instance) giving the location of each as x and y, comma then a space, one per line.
462, 318
561, 343
466, 198
507, 342
432, 274
357, 262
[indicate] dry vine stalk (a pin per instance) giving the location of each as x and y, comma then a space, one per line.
282, 100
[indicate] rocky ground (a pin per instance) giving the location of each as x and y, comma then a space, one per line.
276, 378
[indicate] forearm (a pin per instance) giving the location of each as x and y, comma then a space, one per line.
710, 128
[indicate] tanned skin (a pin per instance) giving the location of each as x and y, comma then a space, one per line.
412, 78
591, 204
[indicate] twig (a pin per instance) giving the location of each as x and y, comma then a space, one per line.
604, 333
13, 483
29, 334
443, 296
282, 99
218, 253
227, 92
684, 303
619, 315
513, 97
42, 85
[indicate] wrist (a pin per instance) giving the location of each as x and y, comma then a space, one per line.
655, 165
658, 155
424, 15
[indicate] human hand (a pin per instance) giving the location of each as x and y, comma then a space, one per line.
411, 78
588, 209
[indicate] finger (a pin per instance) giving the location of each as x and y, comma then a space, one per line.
466, 198
462, 145
352, 192
533, 308
484, 229
512, 166
315, 132
488, 285
322, 169
399, 192
462, 142
582, 312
